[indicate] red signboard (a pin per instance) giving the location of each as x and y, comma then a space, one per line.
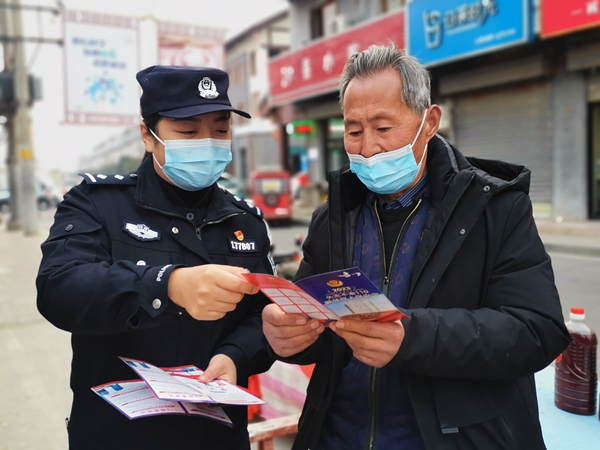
316, 69
562, 16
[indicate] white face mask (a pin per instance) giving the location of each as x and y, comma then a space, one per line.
389, 172
194, 164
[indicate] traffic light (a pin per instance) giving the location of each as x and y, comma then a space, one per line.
7, 90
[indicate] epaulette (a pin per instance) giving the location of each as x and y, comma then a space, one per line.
100, 178
244, 204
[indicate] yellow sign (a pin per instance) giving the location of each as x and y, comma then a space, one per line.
25, 154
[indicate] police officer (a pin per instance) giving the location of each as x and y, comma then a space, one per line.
147, 265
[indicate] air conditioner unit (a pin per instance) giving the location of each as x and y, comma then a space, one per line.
335, 25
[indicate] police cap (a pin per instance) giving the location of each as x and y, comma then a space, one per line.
178, 92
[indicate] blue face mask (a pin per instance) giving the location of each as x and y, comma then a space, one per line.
388, 172
194, 164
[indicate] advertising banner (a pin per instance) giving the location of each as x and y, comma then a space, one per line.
561, 17
316, 68
190, 45
440, 31
101, 59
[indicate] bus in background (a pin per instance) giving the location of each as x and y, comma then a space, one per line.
271, 192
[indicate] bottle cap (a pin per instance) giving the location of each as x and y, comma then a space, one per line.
577, 313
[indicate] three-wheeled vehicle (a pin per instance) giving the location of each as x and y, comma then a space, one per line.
271, 192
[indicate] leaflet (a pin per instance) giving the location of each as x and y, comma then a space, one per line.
173, 390
329, 296
135, 399
183, 384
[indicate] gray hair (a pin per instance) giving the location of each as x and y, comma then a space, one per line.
416, 90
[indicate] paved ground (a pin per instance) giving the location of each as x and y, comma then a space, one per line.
34, 374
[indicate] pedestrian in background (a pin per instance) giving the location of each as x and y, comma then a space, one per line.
452, 242
146, 265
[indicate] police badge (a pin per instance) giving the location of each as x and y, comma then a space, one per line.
207, 88
141, 231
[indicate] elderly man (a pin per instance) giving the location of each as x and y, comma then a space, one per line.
452, 242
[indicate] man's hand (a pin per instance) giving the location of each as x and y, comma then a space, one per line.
221, 367
210, 291
289, 334
373, 343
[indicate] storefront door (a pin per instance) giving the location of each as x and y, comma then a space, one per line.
595, 162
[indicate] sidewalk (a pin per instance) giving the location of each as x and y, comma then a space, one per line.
582, 238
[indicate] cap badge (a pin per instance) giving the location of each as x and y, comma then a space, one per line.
207, 88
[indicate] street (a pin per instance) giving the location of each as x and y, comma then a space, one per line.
34, 376
578, 284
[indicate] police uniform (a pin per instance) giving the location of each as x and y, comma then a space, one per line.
103, 277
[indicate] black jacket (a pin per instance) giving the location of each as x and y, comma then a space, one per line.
485, 313
103, 277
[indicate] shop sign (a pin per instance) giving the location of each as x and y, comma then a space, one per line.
561, 17
101, 53
316, 69
182, 44
302, 128
444, 30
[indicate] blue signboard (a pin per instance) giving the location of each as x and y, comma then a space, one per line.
444, 30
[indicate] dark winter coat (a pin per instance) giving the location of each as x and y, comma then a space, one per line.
484, 311
103, 277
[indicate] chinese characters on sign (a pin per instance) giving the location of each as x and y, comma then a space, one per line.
561, 17
101, 53
443, 30
315, 69
190, 45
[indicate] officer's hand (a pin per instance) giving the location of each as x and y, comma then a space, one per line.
373, 343
221, 367
210, 291
289, 334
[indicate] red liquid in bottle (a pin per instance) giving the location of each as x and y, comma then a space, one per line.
576, 380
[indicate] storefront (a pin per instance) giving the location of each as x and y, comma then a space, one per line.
518, 96
500, 102
512, 121
304, 86
595, 162
575, 25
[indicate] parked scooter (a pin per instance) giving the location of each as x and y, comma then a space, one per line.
287, 263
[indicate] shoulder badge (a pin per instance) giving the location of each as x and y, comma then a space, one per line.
100, 178
207, 88
246, 205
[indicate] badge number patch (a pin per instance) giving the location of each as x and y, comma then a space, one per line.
242, 247
141, 231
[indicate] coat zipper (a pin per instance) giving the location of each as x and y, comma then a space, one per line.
213, 222
198, 230
373, 371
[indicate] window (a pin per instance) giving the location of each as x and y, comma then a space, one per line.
252, 62
319, 18
391, 5
316, 23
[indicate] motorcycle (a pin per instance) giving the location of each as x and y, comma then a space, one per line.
287, 263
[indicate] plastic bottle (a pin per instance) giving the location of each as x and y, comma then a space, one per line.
576, 380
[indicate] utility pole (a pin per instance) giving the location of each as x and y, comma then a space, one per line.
20, 160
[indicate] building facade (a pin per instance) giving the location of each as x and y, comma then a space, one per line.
516, 79
304, 81
256, 142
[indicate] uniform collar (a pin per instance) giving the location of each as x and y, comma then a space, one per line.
153, 192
